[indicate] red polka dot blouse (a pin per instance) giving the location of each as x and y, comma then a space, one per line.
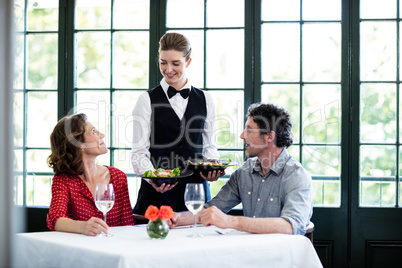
72, 199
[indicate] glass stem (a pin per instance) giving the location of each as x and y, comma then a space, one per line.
195, 220
104, 217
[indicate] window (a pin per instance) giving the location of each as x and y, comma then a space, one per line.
97, 57
111, 60
35, 98
217, 65
380, 148
301, 71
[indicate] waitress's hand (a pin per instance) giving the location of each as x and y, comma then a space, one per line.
213, 175
163, 188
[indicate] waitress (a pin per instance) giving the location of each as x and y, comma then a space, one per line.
173, 122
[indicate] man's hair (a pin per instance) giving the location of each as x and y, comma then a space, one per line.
272, 118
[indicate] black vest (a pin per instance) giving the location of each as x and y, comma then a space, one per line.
172, 143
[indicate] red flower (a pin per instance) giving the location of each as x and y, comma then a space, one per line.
152, 213
165, 213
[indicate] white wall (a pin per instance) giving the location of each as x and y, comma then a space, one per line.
8, 217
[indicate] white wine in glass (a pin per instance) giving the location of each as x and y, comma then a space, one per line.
194, 199
104, 201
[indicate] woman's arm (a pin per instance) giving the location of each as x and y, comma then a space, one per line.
91, 227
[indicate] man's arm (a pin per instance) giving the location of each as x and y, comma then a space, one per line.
214, 216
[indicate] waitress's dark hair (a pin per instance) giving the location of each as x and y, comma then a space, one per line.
65, 142
269, 118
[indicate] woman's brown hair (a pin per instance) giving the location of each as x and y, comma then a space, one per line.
65, 142
175, 41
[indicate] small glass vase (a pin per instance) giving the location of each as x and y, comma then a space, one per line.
158, 229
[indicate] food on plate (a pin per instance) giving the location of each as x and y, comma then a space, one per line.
160, 172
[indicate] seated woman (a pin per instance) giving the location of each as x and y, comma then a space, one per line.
75, 144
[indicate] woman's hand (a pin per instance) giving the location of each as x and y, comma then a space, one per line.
94, 226
213, 175
163, 187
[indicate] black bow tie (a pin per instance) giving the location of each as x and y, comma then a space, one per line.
172, 91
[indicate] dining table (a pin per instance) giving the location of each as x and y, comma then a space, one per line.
130, 246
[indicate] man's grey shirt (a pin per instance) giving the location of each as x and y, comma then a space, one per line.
285, 191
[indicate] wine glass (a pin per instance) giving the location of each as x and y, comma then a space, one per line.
104, 201
194, 199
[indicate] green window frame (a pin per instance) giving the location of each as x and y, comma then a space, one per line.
50, 86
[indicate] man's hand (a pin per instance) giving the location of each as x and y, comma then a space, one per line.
214, 216
181, 218
213, 175
163, 188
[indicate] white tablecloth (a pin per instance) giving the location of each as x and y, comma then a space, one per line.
131, 247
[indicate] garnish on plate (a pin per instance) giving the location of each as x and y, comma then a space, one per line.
160, 172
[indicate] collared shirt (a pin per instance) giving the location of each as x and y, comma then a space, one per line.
140, 155
72, 199
285, 191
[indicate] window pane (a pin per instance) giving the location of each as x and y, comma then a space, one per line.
287, 97
377, 175
43, 15
122, 161
42, 61
93, 60
41, 118
190, 13
195, 72
96, 105
18, 118
229, 118
327, 193
322, 10
18, 190
274, 10
378, 51
374, 9
280, 55
38, 190
37, 161
19, 12
322, 114
131, 60
377, 194
322, 52
218, 17
324, 164
378, 113
92, 14
322, 161
294, 151
132, 14
124, 102
19, 62
18, 161
225, 67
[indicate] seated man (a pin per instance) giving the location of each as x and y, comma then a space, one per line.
275, 190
